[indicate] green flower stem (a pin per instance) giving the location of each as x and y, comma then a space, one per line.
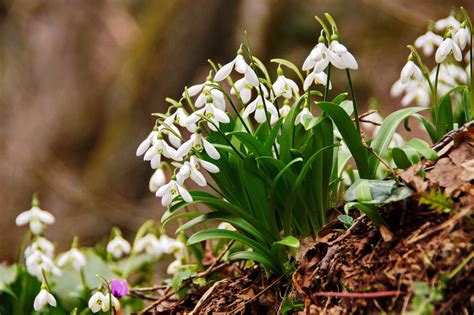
83, 279
354, 103
435, 94
458, 268
26, 237
234, 107
141, 232
326, 91
225, 137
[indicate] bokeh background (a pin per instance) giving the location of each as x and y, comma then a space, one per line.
79, 80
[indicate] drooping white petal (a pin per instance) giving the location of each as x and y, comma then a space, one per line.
251, 76
184, 193
224, 72
210, 150
195, 89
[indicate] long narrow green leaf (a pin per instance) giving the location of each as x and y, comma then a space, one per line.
369, 210
262, 259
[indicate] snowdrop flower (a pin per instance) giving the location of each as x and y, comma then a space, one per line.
172, 246
174, 266
285, 87
159, 148
427, 42
240, 66
198, 142
226, 226
411, 72
100, 302
416, 92
397, 88
258, 106
318, 59
340, 57
169, 191
190, 169
447, 47
304, 112
118, 247
36, 262
35, 217
448, 22
44, 298
316, 78
284, 110
149, 140
150, 245
167, 127
73, 257
40, 244
212, 113
157, 180
461, 37
205, 90
243, 88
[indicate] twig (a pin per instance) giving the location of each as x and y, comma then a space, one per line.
168, 293
361, 295
147, 289
368, 147
348, 231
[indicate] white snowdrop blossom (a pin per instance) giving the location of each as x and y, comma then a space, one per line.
461, 37
411, 72
285, 87
171, 190
340, 57
158, 149
157, 180
240, 66
447, 47
190, 169
151, 245
284, 110
448, 22
258, 106
149, 140
214, 116
40, 244
206, 90
167, 127
243, 88
101, 302
226, 226
318, 58
173, 266
118, 247
427, 42
316, 78
304, 112
36, 218
73, 257
418, 93
37, 261
397, 88
172, 246
44, 298
198, 142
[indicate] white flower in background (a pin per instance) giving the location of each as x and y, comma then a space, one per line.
190, 169
411, 72
173, 246
168, 128
173, 267
226, 226
340, 57
285, 87
418, 93
159, 148
157, 180
73, 257
100, 302
448, 22
447, 47
461, 37
374, 117
169, 191
44, 298
205, 90
211, 112
151, 245
240, 66
198, 142
427, 42
316, 78
318, 58
397, 88
258, 106
304, 112
36, 218
40, 244
37, 261
284, 110
118, 247
243, 88
149, 140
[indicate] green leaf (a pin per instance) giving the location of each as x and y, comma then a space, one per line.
249, 141
289, 241
445, 119
255, 256
381, 191
404, 157
289, 65
350, 135
384, 135
423, 148
347, 220
369, 210
8, 275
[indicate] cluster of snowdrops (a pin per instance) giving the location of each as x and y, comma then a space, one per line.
274, 155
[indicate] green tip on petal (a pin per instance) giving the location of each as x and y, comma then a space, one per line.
35, 200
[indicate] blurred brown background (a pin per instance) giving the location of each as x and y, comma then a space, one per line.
79, 80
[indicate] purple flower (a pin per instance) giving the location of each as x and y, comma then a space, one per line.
119, 288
